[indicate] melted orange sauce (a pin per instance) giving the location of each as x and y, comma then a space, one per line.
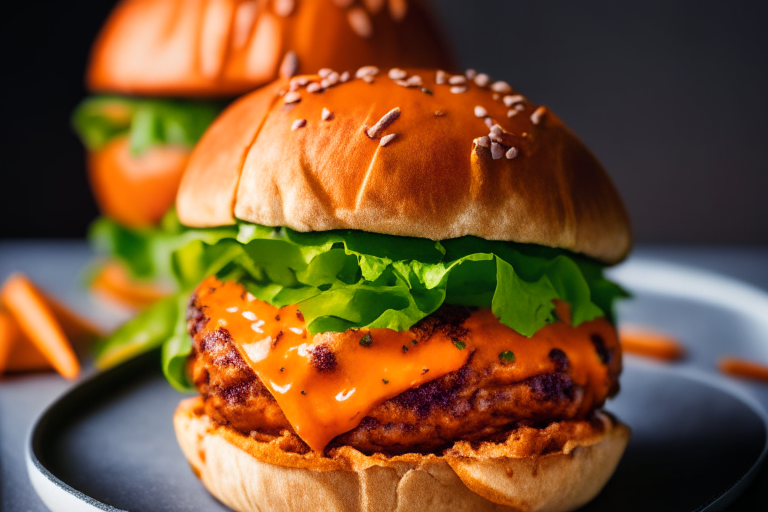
322, 403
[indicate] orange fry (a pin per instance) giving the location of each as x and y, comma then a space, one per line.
114, 282
22, 355
36, 320
741, 368
644, 342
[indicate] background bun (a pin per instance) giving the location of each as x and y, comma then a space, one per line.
227, 47
316, 161
251, 475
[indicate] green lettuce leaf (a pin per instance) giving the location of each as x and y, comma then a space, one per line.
146, 121
351, 279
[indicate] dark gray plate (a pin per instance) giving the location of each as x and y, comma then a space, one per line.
698, 439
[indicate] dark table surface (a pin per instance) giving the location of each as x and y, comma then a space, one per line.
60, 267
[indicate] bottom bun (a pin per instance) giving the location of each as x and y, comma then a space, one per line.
558, 468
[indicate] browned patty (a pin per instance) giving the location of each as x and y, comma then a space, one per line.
467, 404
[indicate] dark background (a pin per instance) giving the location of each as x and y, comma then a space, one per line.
671, 95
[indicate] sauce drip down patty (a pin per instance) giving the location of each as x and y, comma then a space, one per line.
459, 374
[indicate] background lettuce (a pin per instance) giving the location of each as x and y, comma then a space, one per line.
352, 279
146, 121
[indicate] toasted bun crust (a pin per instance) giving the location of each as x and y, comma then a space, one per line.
252, 475
227, 47
434, 180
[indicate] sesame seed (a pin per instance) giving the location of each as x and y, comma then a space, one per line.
376, 130
295, 330
397, 74
511, 100
284, 8
293, 86
520, 107
457, 80
440, 77
367, 71
249, 315
489, 122
501, 87
345, 76
402, 83
511, 153
497, 129
415, 80
512, 113
439, 113
495, 137
327, 115
387, 139
250, 297
292, 97
368, 79
360, 22
470, 74
289, 66
302, 80
483, 141
323, 73
482, 80
257, 328
299, 123
496, 150
343, 3
314, 87
458, 89
538, 115
480, 112
325, 83
233, 309
398, 9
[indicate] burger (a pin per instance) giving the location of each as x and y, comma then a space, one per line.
395, 300
161, 70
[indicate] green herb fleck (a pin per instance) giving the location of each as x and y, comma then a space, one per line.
303, 392
507, 357
427, 91
459, 344
405, 349
366, 340
425, 370
282, 369
385, 381
414, 342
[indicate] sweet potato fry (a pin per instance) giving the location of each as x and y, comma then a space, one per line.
38, 322
648, 343
114, 282
741, 368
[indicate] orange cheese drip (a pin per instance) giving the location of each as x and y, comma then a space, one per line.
322, 403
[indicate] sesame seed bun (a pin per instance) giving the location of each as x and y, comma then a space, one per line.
521, 475
227, 47
438, 157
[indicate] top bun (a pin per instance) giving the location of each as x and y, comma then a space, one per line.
463, 157
227, 47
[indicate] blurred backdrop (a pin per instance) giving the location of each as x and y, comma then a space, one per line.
671, 95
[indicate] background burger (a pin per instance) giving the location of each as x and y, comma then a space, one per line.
163, 69
394, 299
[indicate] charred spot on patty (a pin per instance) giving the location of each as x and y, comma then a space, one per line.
435, 394
196, 319
448, 320
222, 350
552, 387
603, 352
299, 315
559, 359
323, 358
